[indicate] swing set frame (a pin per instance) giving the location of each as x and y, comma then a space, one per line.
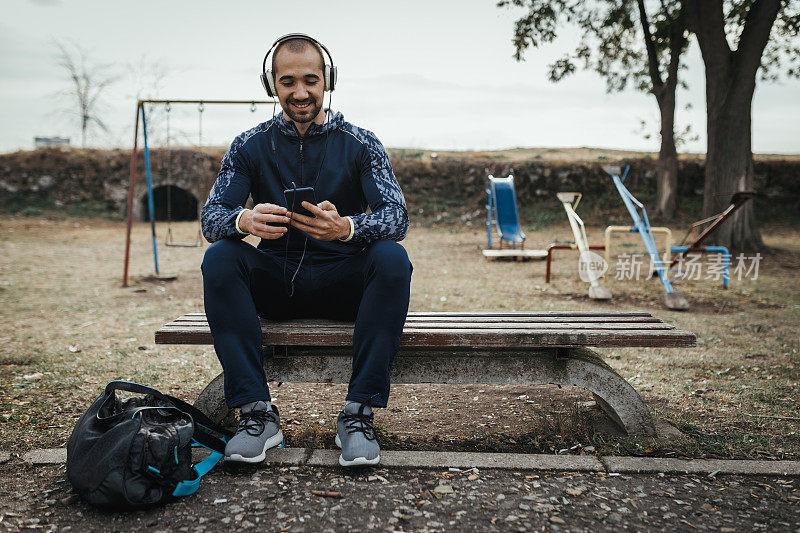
140, 112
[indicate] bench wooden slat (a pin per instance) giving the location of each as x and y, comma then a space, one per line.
460, 338
293, 327
473, 330
491, 314
463, 320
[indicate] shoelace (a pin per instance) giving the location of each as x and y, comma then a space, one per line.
360, 421
254, 422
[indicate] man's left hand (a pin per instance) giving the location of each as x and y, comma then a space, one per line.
325, 225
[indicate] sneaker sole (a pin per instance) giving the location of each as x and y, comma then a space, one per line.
271, 442
358, 461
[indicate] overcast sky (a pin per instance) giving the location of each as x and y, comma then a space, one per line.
430, 74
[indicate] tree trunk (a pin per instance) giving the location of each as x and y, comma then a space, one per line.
729, 164
667, 167
664, 91
730, 83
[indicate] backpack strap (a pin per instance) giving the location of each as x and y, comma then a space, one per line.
185, 488
206, 431
130, 386
200, 418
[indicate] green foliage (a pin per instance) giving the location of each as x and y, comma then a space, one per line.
782, 53
612, 43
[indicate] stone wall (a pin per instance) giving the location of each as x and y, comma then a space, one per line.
74, 176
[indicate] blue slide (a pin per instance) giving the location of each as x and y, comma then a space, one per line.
503, 204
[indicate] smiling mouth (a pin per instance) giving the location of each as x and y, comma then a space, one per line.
302, 105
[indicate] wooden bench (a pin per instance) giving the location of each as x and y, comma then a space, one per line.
461, 348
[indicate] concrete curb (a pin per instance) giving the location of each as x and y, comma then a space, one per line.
51, 456
638, 465
506, 461
502, 461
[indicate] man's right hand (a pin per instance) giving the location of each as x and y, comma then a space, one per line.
257, 221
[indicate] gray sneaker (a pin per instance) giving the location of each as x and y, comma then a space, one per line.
355, 435
259, 430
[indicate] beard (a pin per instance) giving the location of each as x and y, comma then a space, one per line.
308, 115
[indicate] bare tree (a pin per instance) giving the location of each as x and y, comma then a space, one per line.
147, 78
88, 82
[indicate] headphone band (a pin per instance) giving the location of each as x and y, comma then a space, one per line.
295, 36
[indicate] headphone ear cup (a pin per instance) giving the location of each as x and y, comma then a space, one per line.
268, 81
330, 77
265, 83
326, 75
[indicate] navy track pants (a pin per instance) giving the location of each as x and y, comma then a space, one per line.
241, 283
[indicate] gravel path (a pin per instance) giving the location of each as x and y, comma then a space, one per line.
334, 499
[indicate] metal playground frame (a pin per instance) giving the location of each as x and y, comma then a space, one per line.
570, 201
672, 299
140, 111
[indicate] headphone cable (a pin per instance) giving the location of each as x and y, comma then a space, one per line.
290, 285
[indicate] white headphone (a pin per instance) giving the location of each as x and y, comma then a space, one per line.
268, 78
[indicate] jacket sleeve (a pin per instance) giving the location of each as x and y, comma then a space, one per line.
389, 216
228, 195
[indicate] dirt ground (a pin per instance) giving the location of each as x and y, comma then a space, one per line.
67, 327
284, 499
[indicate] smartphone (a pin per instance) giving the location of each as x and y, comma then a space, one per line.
296, 197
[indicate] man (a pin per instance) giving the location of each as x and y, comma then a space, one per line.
340, 263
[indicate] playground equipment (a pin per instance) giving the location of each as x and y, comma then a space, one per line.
672, 299
501, 208
140, 111
634, 229
168, 239
570, 201
738, 199
557, 246
726, 259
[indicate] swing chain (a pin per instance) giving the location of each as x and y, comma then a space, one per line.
168, 237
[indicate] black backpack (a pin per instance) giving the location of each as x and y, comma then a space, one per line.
138, 452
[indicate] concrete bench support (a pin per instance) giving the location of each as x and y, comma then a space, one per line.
579, 367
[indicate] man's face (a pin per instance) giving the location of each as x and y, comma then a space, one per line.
300, 84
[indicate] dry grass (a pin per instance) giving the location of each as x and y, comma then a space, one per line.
60, 287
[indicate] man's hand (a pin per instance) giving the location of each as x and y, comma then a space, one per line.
325, 225
257, 221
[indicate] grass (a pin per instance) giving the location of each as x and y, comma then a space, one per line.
64, 315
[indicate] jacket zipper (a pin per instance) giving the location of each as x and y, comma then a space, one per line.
302, 159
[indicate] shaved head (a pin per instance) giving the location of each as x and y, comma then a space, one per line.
297, 45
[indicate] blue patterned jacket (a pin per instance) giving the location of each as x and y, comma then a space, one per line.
355, 175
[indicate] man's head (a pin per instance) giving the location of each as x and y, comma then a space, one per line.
299, 70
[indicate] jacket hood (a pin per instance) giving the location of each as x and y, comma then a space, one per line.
333, 120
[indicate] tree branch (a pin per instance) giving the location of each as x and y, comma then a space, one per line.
755, 35
652, 54
707, 21
677, 42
